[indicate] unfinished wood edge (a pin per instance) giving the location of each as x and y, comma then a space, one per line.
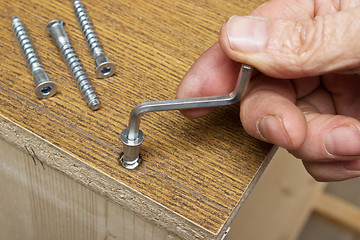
317, 189
303, 219
225, 228
101, 183
338, 211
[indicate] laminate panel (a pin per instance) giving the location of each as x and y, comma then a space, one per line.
196, 173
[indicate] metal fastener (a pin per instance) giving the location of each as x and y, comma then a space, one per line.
104, 68
56, 29
44, 88
132, 137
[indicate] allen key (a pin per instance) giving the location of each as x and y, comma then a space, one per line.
132, 137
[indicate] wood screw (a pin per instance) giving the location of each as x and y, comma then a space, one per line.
56, 29
104, 68
44, 88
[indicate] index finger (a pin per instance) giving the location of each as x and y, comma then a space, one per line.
213, 74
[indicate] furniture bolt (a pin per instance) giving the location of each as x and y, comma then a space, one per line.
44, 88
56, 29
104, 68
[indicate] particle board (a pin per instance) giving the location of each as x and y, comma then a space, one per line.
195, 173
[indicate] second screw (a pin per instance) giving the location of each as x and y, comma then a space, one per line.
56, 29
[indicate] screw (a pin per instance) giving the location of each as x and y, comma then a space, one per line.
104, 68
56, 29
44, 88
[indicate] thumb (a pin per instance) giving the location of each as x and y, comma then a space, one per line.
292, 49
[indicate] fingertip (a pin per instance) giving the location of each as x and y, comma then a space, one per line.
281, 131
271, 129
268, 112
247, 34
343, 141
278, 122
243, 50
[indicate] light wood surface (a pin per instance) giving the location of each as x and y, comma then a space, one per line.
280, 203
39, 203
339, 211
196, 173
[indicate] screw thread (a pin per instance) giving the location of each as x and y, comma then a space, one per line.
44, 88
79, 74
104, 68
56, 29
25, 44
87, 29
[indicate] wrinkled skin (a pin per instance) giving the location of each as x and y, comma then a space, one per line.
305, 96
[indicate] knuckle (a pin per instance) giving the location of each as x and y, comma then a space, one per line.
300, 44
307, 42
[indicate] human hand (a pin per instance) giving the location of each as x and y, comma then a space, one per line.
300, 99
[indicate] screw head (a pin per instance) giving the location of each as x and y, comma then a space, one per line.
45, 89
105, 69
53, 23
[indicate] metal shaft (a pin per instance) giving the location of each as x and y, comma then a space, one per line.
132, 137
44, 88
56, 29
104, 68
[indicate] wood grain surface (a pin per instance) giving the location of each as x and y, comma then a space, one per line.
194, 171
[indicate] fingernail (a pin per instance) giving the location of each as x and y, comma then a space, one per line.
247, 34
271, 129
343, 141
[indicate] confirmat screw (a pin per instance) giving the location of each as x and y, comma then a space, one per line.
44, 88
104, 68
56, 29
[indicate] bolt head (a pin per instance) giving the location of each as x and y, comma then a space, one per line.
105, 69
46, 89
53, 23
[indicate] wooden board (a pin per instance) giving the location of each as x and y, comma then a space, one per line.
339, 211
280, 203
39, 203
195, 173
